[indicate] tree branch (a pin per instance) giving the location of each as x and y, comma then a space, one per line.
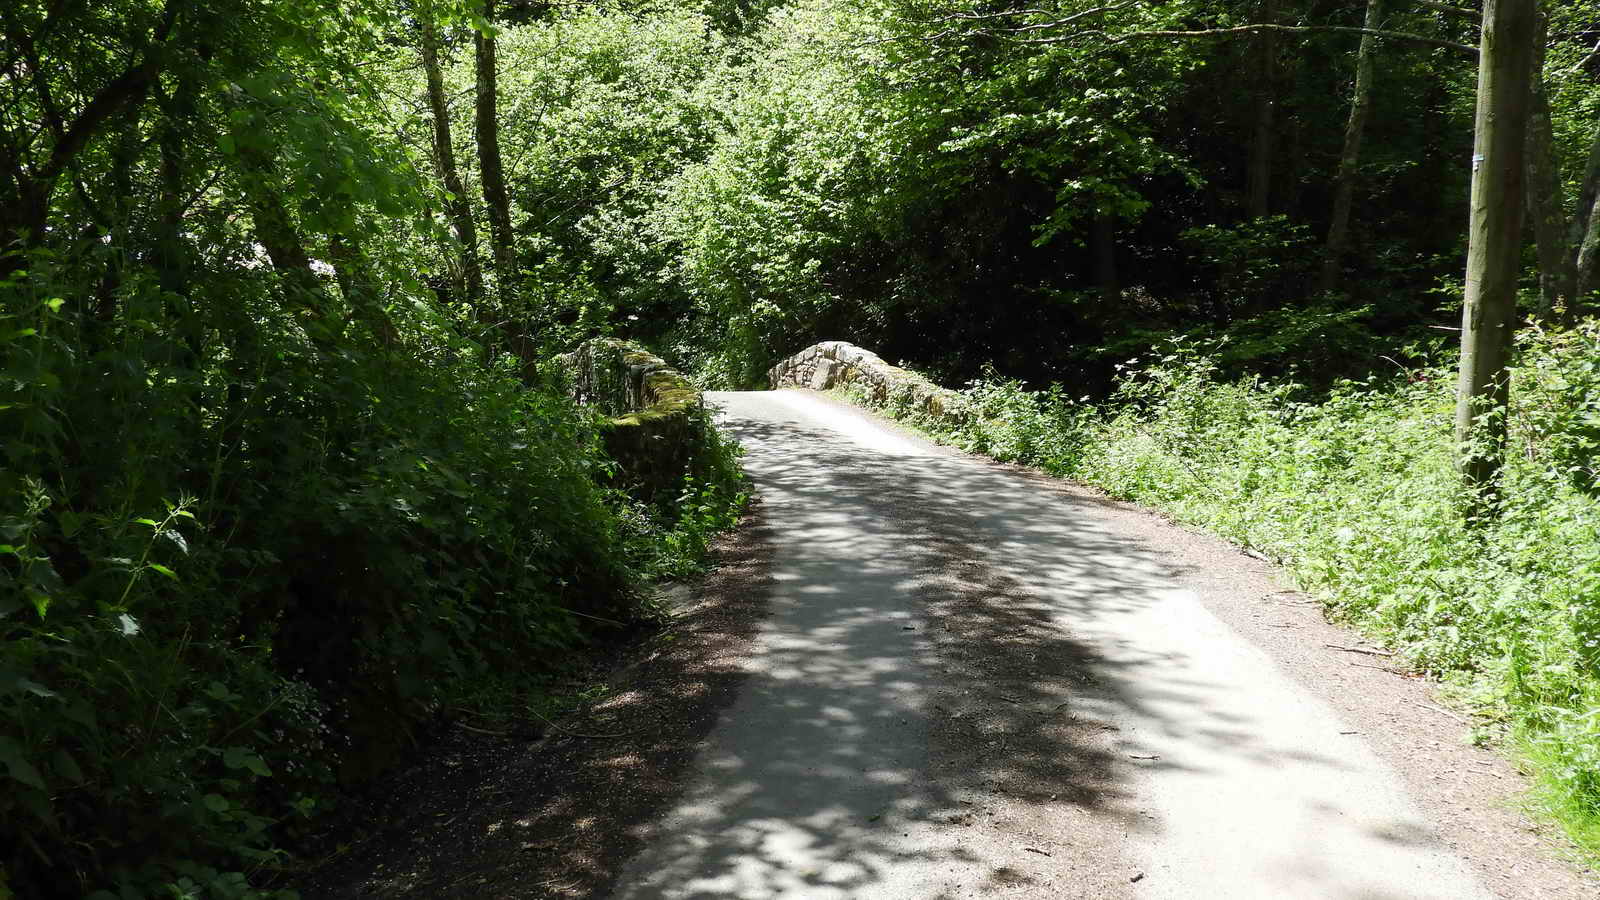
126, 88
41, 82
1587, 60
978, 17
1467, 49
1449, 10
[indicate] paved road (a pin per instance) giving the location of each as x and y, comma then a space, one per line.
972, 685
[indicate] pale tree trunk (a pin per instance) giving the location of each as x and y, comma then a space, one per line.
1344, 185
1505, 70
457, 206
1262, 142
1585, 234
1546, 199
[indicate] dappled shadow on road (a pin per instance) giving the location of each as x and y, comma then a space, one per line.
926, 707
933, 710
954, 696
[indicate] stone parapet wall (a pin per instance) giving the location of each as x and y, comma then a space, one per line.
836, 364
658, 423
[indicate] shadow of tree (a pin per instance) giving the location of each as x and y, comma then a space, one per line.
954, 696
488, 816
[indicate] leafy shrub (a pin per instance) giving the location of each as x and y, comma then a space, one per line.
232, 583
1257, 260
672, 537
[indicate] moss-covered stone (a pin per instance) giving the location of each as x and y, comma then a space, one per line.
836, 363
658, 423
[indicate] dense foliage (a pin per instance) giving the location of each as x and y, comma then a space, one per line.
1042, 188
288, 472
271, 505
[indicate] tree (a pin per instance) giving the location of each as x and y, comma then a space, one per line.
491, 169
1505, 71
26, 189
1566, 245
1262, 150
457, 206
1344, 183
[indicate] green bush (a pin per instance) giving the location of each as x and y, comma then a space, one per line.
233, 582
670, 537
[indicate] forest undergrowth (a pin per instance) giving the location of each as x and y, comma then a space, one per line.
233, 589
1354, 491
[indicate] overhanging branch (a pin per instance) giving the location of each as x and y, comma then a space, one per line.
1449, 10
1236, 30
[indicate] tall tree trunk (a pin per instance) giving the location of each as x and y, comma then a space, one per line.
1585, 235
276, 232
172, 252
1290, 190
1266, 100
1505, 70
123, 154
174, 257
1103, 236
1546, 200
1344, 185
457, 206
492, 171
1588, 267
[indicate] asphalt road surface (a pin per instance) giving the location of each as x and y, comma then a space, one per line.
973, 685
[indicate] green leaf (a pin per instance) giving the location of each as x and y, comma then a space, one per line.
225, 143
43, 576
67, 767
216, 803
82, 713
17, 765
151, 522
163, 570
34, 688
242, 758
172, 535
